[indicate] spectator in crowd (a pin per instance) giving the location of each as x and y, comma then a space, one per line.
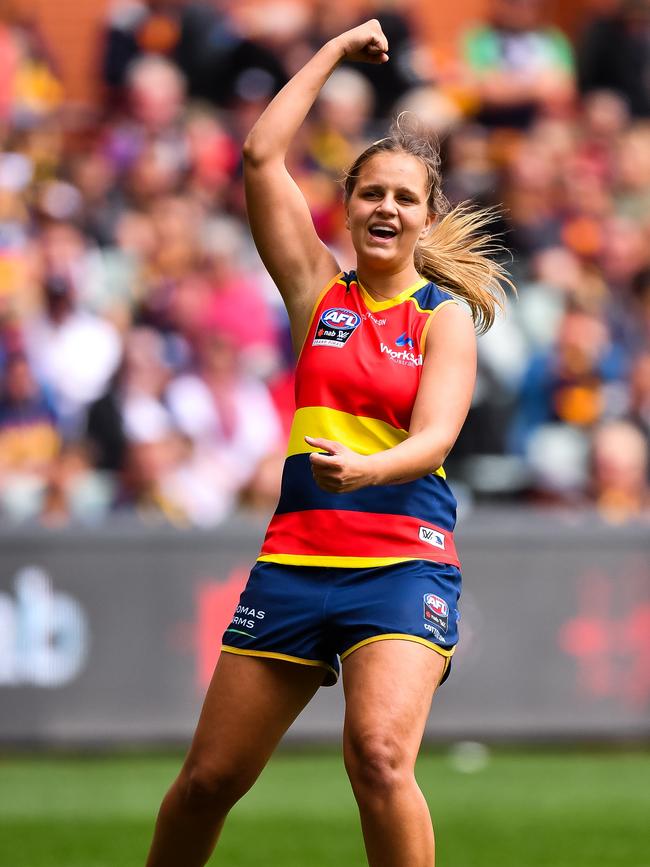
624, 255
151, 460
344, 109
219, 59
134, 28
29, 87
603, 118
572, 378
41, 477
620, 471
72, 351
471, 173
519, 65
565, 392
29, 438
633, 181
614, 53
134, 397
75, 491
236, 303
392, 81
639, 410
229, 418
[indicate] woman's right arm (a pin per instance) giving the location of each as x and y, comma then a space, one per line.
283, 230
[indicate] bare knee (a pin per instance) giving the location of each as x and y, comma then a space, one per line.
376, 764
210, 787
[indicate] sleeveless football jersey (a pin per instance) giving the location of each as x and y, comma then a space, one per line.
356, 381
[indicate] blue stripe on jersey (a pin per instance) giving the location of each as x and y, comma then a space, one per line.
430, 296
429, 498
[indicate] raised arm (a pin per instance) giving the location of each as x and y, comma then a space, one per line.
295, 257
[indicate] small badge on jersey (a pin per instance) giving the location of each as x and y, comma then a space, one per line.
431, 537
436, 611
335, 327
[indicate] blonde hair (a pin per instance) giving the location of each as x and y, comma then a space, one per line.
458, 252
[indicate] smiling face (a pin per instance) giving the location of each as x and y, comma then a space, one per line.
387, 211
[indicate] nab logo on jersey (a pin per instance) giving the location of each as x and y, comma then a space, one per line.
335, 327
436, 611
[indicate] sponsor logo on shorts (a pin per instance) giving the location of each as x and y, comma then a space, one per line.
246, 617
431, 537
435, 632
335, 327
436, 612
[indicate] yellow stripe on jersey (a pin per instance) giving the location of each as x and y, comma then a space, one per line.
341, 562
378, 306
363, 435
359, 433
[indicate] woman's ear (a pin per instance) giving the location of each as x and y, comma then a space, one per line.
427, 226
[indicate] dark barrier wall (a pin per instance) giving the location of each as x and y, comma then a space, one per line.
111, 636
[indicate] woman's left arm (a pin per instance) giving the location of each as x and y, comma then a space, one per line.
441, 406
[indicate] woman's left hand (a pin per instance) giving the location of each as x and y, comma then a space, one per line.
341, 470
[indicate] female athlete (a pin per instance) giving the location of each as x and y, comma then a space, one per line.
358, 563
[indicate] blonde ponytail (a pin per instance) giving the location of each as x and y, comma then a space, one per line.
458, 253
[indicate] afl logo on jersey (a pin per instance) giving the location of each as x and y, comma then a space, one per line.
335, 327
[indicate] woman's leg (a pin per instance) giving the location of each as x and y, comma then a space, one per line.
388, 690
248, 707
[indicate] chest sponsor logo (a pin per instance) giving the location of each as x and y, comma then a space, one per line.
436, 612
335, 327
404, 340
431, 537
402, 356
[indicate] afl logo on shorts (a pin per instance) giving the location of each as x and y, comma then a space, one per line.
436, 611
335, 327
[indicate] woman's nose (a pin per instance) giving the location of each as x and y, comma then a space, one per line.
387, 205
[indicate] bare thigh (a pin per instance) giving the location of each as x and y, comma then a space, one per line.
249, 705
389, 686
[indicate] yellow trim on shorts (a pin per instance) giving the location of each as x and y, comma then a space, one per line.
267, 654
400, 636
341, 562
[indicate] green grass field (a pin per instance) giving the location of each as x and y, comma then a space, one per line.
524, 809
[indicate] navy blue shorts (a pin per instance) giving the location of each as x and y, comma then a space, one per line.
319, 615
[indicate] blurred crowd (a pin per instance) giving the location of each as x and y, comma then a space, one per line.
145, 360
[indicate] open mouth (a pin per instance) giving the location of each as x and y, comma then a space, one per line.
382, 233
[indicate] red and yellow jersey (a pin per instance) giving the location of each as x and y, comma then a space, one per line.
356, 382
